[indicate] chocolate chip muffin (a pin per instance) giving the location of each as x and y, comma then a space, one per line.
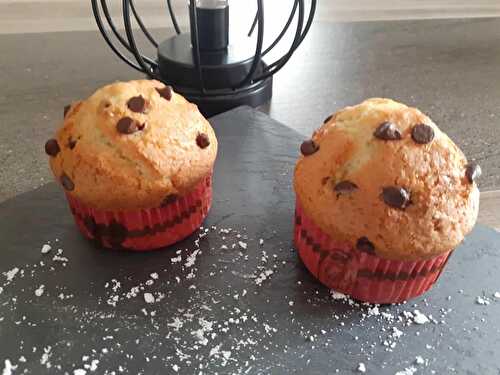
135, 160
383, 197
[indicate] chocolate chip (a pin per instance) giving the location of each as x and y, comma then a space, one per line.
422, 134
364, 244
396, 197
66, 109
387, 131
202, 140
169, 199
52, 147
308, 147
67, 183
473, 171
126, 125
324, 180
165, 92
137, 104
345, 187
328, 119
71, 143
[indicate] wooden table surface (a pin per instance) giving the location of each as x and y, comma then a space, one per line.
447, 68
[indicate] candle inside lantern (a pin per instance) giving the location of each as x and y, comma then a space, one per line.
213, 24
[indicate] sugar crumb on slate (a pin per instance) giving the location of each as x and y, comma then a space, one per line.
420, 318
337, 295
149, 298
235, 325
361, 367
47, 353
9, 368
11, 274
482, 300
191, 259
93, 365
373, 311
59, 258
177, 259
407, 371
40, 290
46, 248
419, 360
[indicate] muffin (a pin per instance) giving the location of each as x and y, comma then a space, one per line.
382, 199
135, 160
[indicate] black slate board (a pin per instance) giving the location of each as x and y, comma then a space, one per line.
292, 324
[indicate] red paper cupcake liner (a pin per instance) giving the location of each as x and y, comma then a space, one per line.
145, 229
362, 275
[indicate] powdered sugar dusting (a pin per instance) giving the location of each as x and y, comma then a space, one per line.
46, 249
338, 296
407, 371
482, 300
215, 305
361, 368
420, 318
149, 298
11, 274
39, 292
8, 368
419, 360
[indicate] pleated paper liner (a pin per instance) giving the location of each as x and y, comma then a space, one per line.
361, 275
145, 229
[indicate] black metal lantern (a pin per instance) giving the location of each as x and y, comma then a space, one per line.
202, 65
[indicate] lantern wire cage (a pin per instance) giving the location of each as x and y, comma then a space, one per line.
215, 80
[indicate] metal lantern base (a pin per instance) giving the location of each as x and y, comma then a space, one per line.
202, 65
225, 100
217, 85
